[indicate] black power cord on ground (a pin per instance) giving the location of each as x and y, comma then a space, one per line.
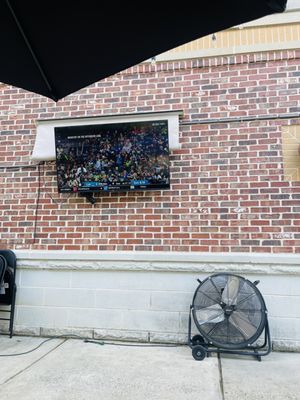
85, 340
134, 345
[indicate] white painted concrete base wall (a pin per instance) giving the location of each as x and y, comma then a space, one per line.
142, 296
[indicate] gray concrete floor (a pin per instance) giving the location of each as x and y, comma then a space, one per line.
73, 370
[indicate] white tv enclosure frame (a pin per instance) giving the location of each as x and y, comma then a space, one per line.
44, 147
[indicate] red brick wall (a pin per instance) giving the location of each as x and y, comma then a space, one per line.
227, 188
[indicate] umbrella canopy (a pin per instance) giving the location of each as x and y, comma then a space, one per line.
56, 47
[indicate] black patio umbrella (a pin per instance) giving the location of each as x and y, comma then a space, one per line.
56, 47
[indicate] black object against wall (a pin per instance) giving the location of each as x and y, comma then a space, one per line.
8, 287
3, 266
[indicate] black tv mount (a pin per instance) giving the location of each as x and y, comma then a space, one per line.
89, 196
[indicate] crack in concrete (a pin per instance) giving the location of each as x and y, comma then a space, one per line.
221, 377
34, 362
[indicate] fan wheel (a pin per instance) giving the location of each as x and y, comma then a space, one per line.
198, 353
197, 339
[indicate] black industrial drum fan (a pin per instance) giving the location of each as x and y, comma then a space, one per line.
230, 315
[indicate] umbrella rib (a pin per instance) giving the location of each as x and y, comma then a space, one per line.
35, 59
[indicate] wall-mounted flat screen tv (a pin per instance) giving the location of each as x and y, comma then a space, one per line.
113, 157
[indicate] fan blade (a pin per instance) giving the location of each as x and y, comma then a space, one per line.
212, 314
231, 290
241, 322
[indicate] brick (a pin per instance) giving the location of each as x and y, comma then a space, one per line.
218, 163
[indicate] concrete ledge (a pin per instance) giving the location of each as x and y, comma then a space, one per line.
132, 336
160, 261
21, 330
286, 345
76, 332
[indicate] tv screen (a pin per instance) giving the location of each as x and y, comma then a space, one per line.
113, 157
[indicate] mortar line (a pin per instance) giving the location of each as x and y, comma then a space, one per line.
221, 377
34, 362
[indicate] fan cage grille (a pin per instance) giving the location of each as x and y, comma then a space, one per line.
226, 322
